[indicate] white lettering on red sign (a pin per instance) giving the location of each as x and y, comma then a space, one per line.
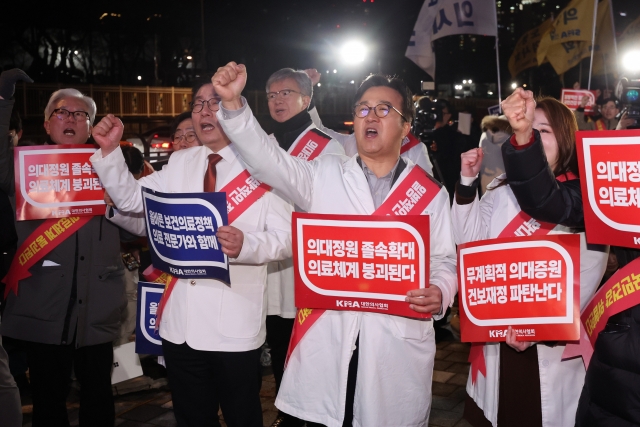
414, 194
241, 193
307, 150
621, 172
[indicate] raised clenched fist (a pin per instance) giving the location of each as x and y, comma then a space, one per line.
314, 75
229, 81
107, 133
471, 161
519, 108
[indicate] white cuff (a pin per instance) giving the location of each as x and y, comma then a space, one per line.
467, 180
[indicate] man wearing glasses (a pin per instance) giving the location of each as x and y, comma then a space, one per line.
67, 313
289, 94
354, 368
211, 331
182, 132
411, 149
610, 109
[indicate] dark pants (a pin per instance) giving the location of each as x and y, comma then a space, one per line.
50, 368
10, 408
278, 336
199, 378
351, 389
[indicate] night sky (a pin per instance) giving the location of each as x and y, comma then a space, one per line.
265, 35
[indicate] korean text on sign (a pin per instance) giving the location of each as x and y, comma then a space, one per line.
182, 223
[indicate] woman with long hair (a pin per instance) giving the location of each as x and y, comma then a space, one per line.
528, 383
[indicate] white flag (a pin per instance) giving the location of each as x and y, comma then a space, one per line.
420, 50
440, 18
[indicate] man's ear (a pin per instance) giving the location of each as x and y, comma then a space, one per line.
46, 127
406, 128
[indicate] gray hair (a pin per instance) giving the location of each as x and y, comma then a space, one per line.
300, 77
70, 93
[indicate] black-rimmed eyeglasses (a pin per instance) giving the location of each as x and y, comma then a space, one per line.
189, 137
63, 114
213, 104
381, 110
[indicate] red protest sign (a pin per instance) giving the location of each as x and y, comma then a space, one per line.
529, 283
572, 98
359, 262
610, 179
56, 181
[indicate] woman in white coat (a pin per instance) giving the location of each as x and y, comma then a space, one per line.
526, 383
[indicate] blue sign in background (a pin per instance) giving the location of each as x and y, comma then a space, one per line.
147, 338
182, 228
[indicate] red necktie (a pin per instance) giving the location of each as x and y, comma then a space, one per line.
210, 174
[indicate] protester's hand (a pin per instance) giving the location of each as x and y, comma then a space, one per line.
425, 300
228, 82
471, 162
625, 122
108, 200
8, 80
584, 101
512, 341
519, 108
230, 239
314, 75
108, 134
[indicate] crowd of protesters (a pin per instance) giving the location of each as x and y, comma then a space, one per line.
352, 368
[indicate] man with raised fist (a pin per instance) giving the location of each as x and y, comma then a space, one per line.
351, 367
211, 331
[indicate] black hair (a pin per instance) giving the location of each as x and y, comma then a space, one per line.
133, 158
15, 122
375, 80
179, 119
198, 83
612, 99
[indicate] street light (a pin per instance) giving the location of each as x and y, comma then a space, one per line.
631, 61
139, 77
353, 52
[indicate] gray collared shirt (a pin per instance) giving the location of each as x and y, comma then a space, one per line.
380, 187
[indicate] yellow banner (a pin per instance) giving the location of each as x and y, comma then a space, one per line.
566, 55
525, 53
573, 24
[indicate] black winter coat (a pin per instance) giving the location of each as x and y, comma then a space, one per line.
611, 393
538, 192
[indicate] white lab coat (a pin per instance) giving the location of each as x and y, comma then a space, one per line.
396, 356
418, 154
208, 314
560, 381
280, 295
